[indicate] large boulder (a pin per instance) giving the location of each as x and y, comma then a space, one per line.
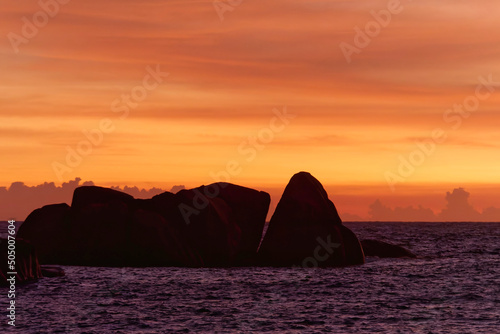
159, 233
91, 196
49, 229
383, 249
211, 231
94, 231
155, 241
101, 222
52, 271
306, 230
26, 265
216, 225
249, 208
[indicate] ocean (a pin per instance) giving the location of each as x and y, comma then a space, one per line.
452, 287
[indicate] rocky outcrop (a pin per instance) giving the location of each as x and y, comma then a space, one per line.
250, 208
48, 229
156, 241
52, 271
235, 231
100, 222
306, 230
219, 225
383, 249
26, 263
216, 225
91, 197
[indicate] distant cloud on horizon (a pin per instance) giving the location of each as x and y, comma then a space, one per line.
458, 209
19, 200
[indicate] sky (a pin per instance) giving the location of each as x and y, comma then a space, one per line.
396, 101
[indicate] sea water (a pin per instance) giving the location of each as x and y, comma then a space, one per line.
452, 287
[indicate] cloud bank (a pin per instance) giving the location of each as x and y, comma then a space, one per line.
19, 200
458, 209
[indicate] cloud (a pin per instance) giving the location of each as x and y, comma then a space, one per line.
176, 189
380, 212
140, 193
458, 209
348, 217
19, 200
491, 214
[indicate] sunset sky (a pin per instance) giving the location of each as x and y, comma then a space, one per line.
231, 70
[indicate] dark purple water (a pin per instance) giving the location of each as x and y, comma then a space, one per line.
453, 287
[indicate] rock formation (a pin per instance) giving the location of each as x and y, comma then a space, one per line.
48, 230
219, 225
216, 225
26, 263
384, 249
306, 230
52, 271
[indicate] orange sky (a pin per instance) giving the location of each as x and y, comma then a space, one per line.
353, 120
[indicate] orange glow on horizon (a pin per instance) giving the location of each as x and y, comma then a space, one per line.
352, 121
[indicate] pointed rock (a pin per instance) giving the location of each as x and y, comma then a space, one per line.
306, 230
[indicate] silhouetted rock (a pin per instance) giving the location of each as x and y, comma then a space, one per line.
160, 227
52, 271
217, 225
212, 233
249, 209
229, 226
92, 196
384, 249
101, 222
48, 229
155, 241
306, 229
26, 263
